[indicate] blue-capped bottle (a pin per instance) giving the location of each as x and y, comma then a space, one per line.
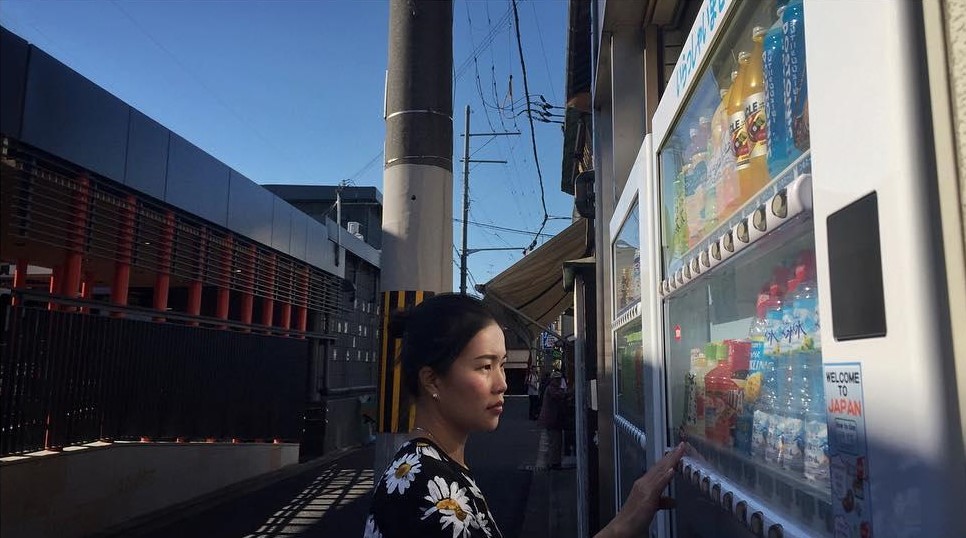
795, 76
778, 142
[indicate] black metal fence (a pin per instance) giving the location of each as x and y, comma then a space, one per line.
71, 377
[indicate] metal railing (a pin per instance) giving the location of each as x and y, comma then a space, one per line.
69, 377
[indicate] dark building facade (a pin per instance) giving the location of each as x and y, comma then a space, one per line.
149, 291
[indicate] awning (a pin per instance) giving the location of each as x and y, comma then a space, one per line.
534, 285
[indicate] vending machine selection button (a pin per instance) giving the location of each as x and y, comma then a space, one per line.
779, 204
758, 219
758, 524
741, 511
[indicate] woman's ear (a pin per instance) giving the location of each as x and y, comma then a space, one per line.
429, 380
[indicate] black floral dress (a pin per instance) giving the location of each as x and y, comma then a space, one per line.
425, 493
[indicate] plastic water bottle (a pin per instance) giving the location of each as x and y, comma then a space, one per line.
755, 384
805, 300
791, 428
766, 422
815, 456
778, 152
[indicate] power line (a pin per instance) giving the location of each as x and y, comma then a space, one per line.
265, 140
502, 229
365, 168
533, 136
536, 20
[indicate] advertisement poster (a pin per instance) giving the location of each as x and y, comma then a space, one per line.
848, 451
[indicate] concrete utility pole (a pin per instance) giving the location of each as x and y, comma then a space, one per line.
417, 221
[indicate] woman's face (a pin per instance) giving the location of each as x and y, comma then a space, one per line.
471, 393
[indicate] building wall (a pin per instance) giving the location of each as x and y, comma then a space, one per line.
40, 95
86, 491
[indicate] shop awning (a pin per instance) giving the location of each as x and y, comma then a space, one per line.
534, 285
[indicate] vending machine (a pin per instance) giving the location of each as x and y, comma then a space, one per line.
792, 321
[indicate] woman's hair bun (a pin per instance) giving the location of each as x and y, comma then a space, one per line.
397, 323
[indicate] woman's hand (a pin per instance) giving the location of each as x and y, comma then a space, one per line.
645, 498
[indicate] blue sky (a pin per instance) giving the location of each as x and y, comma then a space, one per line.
292, 91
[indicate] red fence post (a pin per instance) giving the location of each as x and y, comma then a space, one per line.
125, 251
56, 275
224, 290
247, 302
76, 239
162, 282
268, 303
19, 279
195, 286
303, 312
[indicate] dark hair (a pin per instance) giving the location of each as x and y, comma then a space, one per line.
434, 333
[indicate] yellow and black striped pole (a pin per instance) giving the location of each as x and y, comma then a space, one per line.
417, 214
396, 411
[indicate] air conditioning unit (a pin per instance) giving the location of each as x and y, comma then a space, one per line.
353, 227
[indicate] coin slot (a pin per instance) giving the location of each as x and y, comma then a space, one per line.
728, 501
729, 241
776, 531
716, 493
716, 251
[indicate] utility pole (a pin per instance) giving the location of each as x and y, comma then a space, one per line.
466, 198
464, 253
417, 257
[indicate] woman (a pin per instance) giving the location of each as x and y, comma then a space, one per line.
452, 357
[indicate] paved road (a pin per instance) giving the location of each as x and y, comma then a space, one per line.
332, 499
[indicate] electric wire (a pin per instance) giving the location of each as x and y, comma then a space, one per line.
533, 136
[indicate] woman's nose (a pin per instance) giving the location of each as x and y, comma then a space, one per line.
500, 386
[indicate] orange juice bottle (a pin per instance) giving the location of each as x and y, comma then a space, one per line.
722, 168
755, 121
740, 145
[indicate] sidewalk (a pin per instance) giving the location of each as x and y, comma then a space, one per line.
330, 498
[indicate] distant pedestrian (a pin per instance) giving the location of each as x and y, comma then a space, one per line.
533, 392
452, 357
553, 413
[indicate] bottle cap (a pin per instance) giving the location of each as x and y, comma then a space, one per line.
734, 75
743, 56
781, 9
758, 32
775, 291
711, 351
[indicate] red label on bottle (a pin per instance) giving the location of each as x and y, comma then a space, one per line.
756, 124
740, 144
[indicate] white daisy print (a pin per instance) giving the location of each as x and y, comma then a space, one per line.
428, 450
474, 489
402, 473
371, 530
482, 522
450, 501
